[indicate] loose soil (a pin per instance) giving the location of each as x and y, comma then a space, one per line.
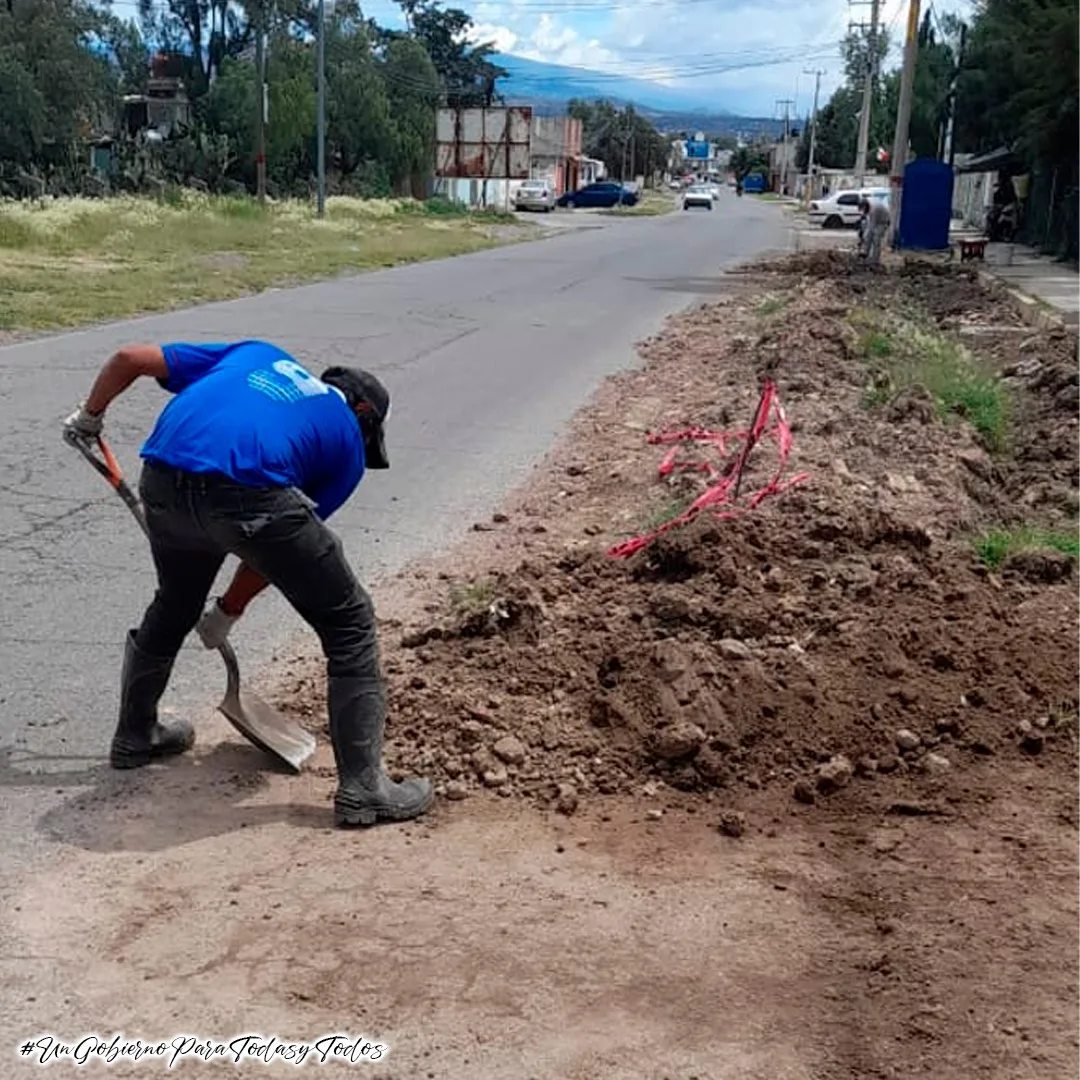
791, 795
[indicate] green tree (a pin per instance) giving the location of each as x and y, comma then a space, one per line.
53, 88
412, 84
468, 75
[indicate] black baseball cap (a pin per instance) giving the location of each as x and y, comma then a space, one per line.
367, 396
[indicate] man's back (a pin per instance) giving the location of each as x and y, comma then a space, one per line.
249, 411
879, 214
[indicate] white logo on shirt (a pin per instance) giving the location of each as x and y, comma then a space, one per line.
286, 380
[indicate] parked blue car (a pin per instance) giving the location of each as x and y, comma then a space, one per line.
604, 193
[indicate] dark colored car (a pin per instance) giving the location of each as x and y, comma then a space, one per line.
604, 193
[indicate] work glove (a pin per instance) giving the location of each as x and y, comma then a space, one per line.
84, 425
213, 628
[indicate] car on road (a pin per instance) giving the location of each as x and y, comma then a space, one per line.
841, 210
603, 194
535, 195
698, 195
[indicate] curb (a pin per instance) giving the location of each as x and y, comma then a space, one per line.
1034, 312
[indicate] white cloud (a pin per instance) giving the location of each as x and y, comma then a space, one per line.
733, 54
544, 37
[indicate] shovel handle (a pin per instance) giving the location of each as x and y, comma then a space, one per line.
109, 467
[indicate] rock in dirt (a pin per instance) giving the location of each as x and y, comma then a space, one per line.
653, 815
888, 763
496, 777
510, 750
678, 741
1032, 742
731, 649
456, 790
834, 774
907, 741
566, 799
804, 792
732, 823
936, 763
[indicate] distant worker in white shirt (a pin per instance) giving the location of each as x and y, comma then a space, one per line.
873, 228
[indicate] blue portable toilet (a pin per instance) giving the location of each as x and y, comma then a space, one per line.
925, 206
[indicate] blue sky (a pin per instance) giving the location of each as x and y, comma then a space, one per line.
736, 55
732, 54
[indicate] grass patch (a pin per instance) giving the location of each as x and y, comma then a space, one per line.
69, 262
473, 598
996, 545
651, 204
772, 305
671, 509
902, 353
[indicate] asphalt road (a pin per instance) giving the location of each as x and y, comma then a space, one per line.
486, 356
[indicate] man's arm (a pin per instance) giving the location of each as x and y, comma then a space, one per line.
121, 370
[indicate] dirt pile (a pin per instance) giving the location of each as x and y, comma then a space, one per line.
842, 639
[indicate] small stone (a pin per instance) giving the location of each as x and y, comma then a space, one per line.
947, 725
499, 519
907, 740
834, 774
653, 815
456, 790
865, 766
936, 763
888, 763
566, 799
731, 649
509, 749
804, 791
677, 741
732, 823
495, 778
1033, 742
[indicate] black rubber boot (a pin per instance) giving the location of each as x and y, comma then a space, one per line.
365, 794
140, 737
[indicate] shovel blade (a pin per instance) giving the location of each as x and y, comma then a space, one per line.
267, 728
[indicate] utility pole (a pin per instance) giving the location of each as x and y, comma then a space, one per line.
813, 130
868, 93
903, 119
947, 152
260, 103
787, 103
321, 112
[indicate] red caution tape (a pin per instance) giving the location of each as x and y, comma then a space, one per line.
724, 482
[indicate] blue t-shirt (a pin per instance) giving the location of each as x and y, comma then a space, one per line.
248, 410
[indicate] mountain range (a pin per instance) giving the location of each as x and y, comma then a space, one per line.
548, 87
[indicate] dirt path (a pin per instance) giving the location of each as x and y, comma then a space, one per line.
684, 831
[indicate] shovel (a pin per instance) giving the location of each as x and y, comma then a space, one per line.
249, 714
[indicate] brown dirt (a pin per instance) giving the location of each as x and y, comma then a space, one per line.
742, 655
668, 871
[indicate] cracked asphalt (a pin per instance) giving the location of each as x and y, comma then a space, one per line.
486, 357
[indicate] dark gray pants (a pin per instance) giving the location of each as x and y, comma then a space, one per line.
195, 521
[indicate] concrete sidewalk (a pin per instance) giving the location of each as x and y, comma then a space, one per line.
1049, 290
1038, 281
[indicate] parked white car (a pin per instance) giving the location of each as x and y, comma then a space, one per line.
841, 209
534, 195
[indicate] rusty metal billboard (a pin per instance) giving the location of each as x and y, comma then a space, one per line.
483, 144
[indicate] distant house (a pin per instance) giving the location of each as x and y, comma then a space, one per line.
165, 107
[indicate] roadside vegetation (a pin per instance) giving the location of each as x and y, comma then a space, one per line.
995, 546
901, 353
650, 204
67, 262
